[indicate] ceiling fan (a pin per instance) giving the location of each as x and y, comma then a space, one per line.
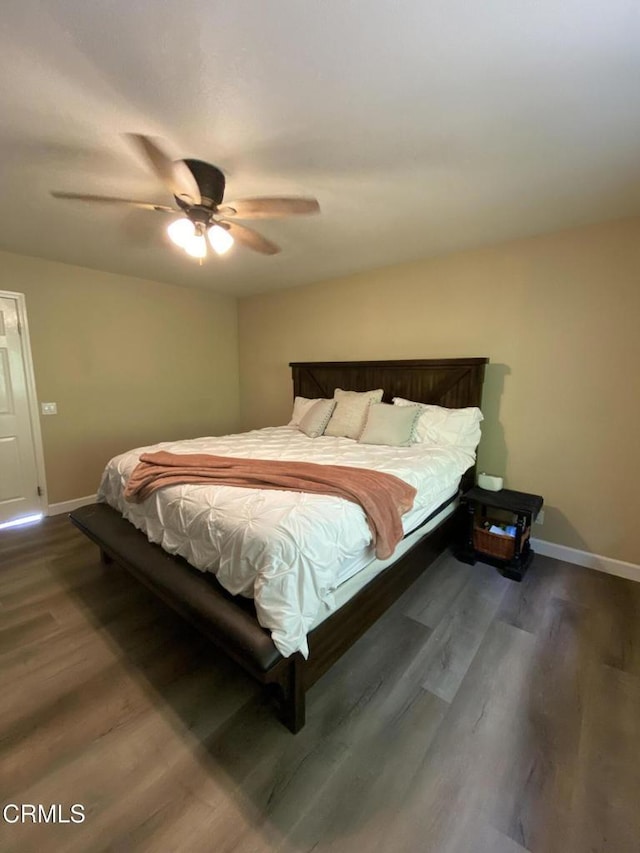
198, 190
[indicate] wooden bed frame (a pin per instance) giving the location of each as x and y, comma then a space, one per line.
230, 622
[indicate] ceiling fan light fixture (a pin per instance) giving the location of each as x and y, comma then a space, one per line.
196, 246
198, 190
180, 231
220, 239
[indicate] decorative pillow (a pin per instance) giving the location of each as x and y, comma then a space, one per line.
316, 418
301, 406
446, 427
350, 414
391, 425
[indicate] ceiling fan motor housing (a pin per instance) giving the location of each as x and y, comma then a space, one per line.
210, 182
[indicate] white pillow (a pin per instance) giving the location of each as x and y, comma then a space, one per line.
316, 418
390, 425
446, 427
350, 413
301, 406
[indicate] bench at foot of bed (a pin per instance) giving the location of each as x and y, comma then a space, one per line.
230, 621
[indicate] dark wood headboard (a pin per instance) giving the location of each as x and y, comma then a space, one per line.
451, 382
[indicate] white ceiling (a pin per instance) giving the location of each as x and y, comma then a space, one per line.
422, 127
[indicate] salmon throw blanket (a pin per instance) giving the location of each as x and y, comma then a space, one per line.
383, 497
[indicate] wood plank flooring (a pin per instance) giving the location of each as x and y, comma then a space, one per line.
477, 716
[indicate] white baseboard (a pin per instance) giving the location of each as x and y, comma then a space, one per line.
67, 506
631, 571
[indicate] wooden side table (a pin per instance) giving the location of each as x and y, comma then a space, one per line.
523, 506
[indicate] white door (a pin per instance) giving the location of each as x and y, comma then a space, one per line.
19, 491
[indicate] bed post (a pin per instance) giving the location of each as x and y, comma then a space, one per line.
293, 709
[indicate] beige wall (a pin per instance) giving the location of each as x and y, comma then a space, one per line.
557, 315
129, 362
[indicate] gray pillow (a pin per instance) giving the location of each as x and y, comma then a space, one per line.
350, 414
391, 425
314, 422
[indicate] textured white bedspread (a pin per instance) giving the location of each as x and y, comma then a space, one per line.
284, 549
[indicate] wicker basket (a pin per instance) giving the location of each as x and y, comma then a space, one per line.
497, 545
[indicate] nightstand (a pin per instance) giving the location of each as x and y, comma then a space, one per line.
511, 554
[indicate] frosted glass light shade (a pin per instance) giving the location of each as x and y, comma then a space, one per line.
220, 239
196, 246
180, 231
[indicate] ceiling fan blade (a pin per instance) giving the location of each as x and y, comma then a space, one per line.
103, 199
175, 174
268, 208
250, 238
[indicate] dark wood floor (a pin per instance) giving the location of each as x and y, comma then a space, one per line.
478, 716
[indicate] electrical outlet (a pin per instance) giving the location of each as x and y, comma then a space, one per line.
540, 517
49, 408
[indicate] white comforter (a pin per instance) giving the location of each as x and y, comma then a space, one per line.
284, 549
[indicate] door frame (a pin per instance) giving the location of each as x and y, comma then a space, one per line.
32, 397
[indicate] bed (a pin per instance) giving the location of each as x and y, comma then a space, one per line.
354, 592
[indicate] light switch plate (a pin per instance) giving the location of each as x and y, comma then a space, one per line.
49, 408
